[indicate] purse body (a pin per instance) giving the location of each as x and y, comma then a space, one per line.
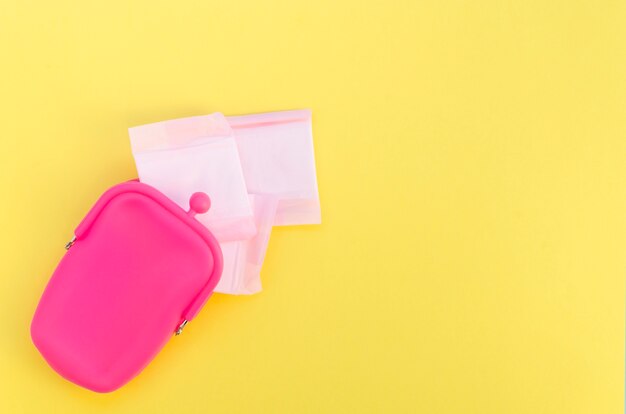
139, 267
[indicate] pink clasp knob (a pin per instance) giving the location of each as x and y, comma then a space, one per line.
199, 203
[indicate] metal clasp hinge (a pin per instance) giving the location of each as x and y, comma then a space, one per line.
181, 327
70, 243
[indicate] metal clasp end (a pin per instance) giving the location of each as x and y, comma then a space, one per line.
181, 327
70, 243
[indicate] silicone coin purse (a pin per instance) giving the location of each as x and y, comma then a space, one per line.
138, 269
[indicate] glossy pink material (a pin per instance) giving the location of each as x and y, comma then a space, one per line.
139, 267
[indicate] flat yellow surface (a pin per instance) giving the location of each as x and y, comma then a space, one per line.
471, 159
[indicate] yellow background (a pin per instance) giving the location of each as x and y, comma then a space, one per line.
472, 176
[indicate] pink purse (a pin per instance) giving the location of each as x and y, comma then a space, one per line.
137, 270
